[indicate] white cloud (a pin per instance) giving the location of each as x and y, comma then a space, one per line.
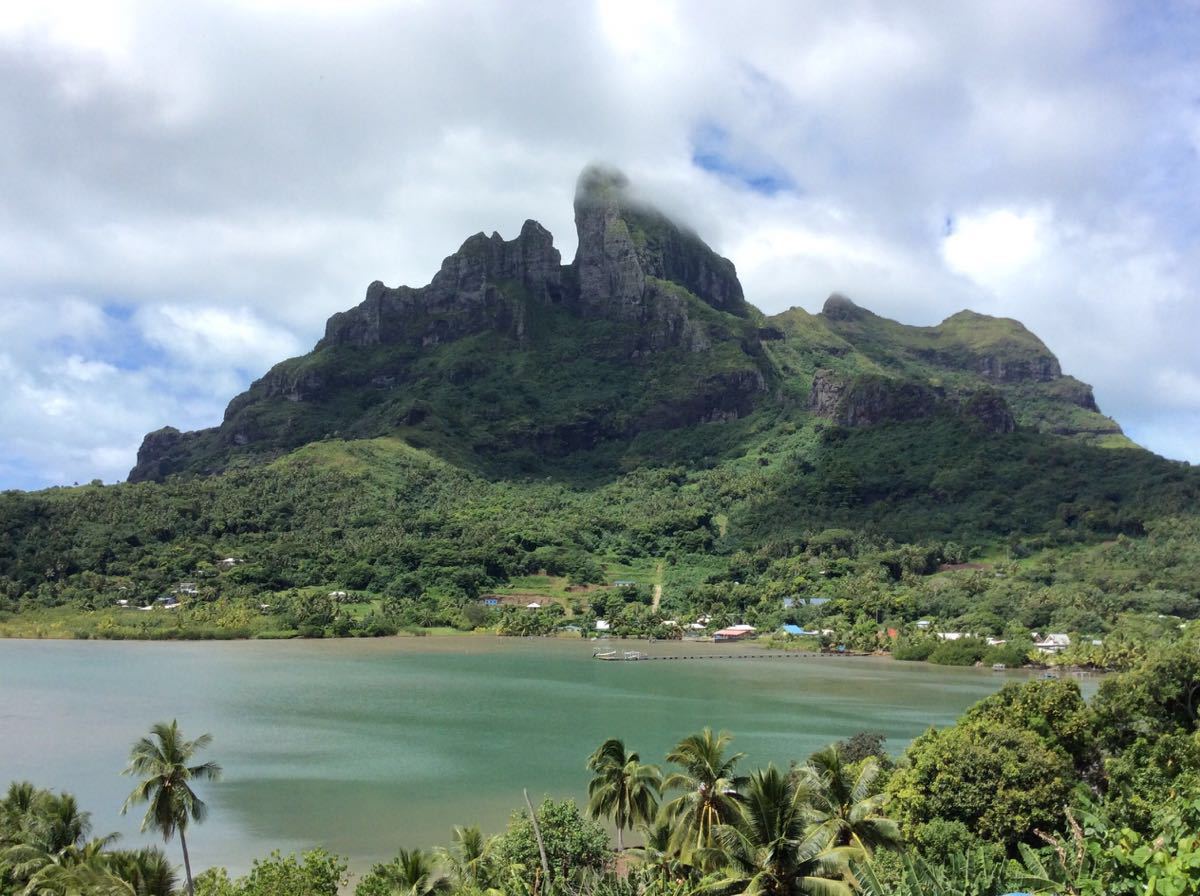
215, 337
991, 247
644, 32
87, 371
192, 189
1179, 388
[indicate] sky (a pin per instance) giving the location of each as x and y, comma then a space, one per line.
190, 189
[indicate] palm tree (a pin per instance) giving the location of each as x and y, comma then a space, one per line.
83, 879
470, 861
44, 847
161, 761
710, 789
622, 788
40, 819
65, 824
76, 868
409, 874
770, 849
15, 809
844, 806
147, 870
660, 862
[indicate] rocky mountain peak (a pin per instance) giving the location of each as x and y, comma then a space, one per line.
838, 307
509, 357
466, 295
626, 245
609, 271
600, 184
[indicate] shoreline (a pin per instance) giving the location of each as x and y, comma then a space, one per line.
671, 651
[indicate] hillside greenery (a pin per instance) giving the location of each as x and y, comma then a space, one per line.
1067, 536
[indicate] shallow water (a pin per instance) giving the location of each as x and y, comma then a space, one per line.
365, 746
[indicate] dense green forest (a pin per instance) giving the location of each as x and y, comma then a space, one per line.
1032, 790
412, 541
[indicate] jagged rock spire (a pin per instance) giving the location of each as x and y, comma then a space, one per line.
610, 273
625, 245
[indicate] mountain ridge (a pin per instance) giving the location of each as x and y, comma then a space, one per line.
509, 360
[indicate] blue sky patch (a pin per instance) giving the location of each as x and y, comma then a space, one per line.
715, 151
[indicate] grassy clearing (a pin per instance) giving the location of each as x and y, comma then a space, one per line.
133, 624
640, 571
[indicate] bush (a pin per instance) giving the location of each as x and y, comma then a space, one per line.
316, 873
963, 652
1012, 654
574, 844
938, 839
1001, 781
914, 650
862, 745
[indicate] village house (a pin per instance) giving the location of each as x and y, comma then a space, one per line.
1051, 643
797, 630
508, 600
734, 633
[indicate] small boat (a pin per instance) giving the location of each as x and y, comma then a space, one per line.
604, 655
998, 667
635, 655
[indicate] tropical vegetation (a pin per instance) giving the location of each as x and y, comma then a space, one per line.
162, 763
1033, 790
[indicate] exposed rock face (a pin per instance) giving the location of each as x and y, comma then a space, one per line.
624, 246
155, 448
825, 396
471, 292
989, 409
609, 273
870, 399
1002, 370
1079, 394
633, 265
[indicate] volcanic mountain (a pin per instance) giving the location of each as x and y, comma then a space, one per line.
510, 362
